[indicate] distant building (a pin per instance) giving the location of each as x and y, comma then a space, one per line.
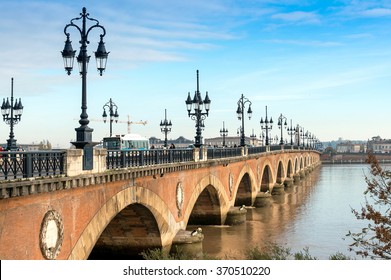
345, 145
231, 141
378, 145
180, 142
349, 147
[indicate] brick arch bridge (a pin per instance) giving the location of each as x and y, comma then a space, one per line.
118, 211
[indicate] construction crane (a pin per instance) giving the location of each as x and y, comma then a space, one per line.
129, 122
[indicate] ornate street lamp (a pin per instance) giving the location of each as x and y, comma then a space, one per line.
303, 136
240, 112
198, 115
223, 133
262, 136
297, 135
84, 133
12, 114
291, 131
253, 137
281, 124
266, 125
165, 127
113, 113
310, 140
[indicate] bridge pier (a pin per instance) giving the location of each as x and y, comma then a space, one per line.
288, 182
278, 189
236, 216
188, 243
263, 199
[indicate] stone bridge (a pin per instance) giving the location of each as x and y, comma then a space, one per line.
109, 213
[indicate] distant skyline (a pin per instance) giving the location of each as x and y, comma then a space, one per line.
324, 64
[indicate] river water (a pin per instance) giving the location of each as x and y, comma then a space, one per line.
316, 214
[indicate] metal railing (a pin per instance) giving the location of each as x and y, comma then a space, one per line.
215, 153
256, 150
135, 158
14, 165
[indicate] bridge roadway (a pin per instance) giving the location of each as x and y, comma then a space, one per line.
109, 213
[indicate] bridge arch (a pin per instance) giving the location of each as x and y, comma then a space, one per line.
280, 173
244, 191
140, 200
289, 172
266, 179
245, 188
207, 203
133, 230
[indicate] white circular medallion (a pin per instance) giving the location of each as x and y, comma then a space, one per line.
230, 183
51, 235
179, 198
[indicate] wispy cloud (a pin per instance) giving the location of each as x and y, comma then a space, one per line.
298, 17
363, 9
378, 12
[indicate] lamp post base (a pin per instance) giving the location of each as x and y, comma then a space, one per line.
83, 137
84, 141
11, 144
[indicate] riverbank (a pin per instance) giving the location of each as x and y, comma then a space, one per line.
349, 158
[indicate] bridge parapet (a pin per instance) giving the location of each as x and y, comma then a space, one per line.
64, 169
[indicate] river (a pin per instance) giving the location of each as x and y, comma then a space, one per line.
316, 214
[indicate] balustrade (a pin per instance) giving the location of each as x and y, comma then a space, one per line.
136, 158
19, 165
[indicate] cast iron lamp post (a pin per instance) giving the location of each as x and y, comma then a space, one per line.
281, 124
262, 136
297, 135
291, 131
310, 140
266, 125
111, 106
303, 135
84, 133
223, 133
12, 114
165, 127
198, 105
240, 112
253, 137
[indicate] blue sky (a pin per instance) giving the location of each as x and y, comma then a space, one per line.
324, 64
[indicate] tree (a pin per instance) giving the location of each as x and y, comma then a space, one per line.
45, 145
374, 241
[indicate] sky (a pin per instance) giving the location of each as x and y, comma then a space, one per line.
325, 65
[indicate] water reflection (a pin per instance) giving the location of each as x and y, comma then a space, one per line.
315, 213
